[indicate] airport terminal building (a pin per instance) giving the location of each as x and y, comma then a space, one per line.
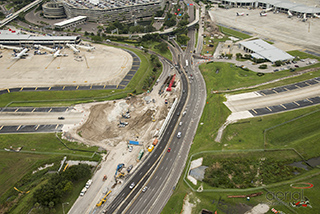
9, 37
103, 10
276, 5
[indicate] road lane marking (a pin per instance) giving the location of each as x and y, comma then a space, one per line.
50, 110
268, 108
49, 88
36, 88
63, 87
77, 87
283, 106
254, 111
16, 110
33, 110
37, 127
1, 127
296, 103
309, 100
18, 127
57, 126
21, 88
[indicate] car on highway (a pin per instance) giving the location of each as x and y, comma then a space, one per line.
297, 66
178, 114
183, 91
83, 191
179, 135
132, 185
144, 189
61, 118
169, 150
180, 124
184, 113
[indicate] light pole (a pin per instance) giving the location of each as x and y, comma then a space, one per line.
63, 206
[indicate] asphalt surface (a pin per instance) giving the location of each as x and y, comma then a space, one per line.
124, 82
33, 120
124, 197
162, 183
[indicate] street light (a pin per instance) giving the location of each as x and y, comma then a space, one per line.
63, 206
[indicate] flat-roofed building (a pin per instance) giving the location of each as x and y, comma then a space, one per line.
262, 50
16, 38
73, 22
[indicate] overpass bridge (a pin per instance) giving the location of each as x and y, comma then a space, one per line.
16, 14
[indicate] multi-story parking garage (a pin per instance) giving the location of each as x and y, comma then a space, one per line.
106, 10
276, 5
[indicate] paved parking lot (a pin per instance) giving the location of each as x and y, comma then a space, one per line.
103, 66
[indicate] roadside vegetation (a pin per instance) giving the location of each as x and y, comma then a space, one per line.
37, 150
233, 165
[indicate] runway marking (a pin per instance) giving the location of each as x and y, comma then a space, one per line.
309, 100
21, 88
296, 103
37, 127
16, 110
268, 108
18, 127
283, 106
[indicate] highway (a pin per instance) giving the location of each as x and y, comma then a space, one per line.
162, 182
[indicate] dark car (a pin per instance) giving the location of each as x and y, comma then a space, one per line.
297, 66
178, 114
60, 118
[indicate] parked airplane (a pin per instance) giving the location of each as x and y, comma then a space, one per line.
21, 54
240, 14
304, 19
58, 54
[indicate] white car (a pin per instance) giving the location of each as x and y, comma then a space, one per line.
144, 189
179, 135
132, 185
130, 148
180, 124
88, 184
83, 191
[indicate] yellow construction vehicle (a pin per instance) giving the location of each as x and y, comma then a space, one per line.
103, 200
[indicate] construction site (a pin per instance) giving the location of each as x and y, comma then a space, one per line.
127, 129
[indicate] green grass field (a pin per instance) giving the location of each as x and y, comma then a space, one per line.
234, 33
246, 135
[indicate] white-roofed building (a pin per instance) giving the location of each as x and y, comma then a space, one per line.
71, 22
262, 50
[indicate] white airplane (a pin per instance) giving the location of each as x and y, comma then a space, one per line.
51, 50
58, 54
240, 14
21, 54
11, 47
305, 18
263, 14
73, 48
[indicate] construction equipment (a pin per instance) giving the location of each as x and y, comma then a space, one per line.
103, 200
119, 167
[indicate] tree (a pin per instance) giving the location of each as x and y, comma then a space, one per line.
183, 39
278, 63
162, 47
